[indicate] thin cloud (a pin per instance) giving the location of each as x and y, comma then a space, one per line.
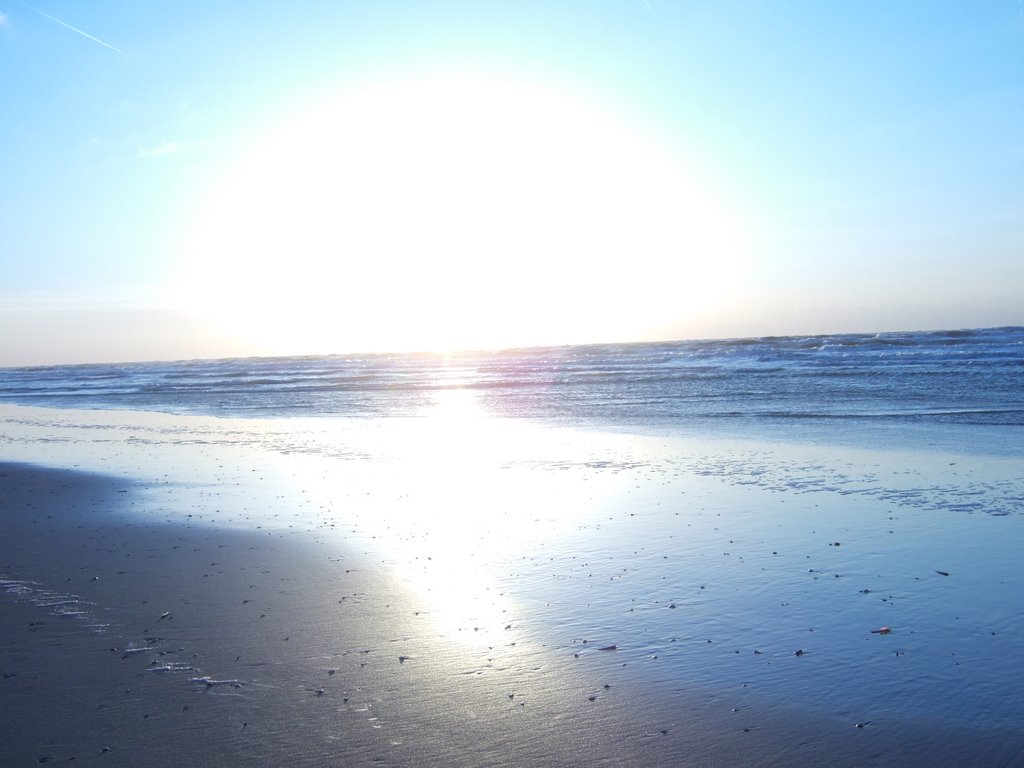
73, 29
161, 149
4, 20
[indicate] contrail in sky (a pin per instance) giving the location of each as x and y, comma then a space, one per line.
649, 7
73, 29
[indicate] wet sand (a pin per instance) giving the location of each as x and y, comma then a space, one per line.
134, 634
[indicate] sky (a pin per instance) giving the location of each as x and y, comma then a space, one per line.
196, 180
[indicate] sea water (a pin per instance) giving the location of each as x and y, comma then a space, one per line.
804, 385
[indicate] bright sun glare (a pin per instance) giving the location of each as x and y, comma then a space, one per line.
454, 212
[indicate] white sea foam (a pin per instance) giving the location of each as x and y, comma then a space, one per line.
61, 605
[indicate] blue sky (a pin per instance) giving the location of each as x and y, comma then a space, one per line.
193, 179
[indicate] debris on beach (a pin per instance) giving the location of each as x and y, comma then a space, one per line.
881, 631
943, 573
209, 682
609, 648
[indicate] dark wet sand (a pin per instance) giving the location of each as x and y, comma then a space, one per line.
318, 658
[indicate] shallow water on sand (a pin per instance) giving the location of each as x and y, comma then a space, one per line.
767, 580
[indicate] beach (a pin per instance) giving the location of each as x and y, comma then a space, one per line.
468, 591
492, 385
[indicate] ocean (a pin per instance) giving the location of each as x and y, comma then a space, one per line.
962, 377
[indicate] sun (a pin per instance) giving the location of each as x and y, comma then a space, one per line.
454, 212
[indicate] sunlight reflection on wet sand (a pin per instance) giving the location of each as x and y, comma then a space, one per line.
456, 496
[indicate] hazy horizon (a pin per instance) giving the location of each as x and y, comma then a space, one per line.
513, 349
